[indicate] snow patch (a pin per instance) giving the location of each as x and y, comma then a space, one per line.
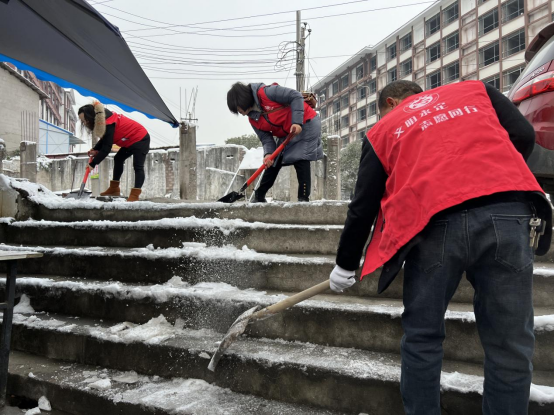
24, 305
104, 384
44, 404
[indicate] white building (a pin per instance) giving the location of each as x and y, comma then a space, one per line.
452, 40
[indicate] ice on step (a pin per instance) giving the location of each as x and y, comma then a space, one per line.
24, 305
33, 411
130, 377
103, 384
44, 404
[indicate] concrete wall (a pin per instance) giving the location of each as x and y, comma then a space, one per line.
217, 167
15, 97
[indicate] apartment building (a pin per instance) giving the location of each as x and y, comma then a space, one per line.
452, 40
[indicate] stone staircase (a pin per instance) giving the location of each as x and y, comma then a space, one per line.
128, 302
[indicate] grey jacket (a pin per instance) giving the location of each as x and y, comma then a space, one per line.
307, 145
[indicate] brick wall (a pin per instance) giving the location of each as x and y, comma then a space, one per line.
15, 97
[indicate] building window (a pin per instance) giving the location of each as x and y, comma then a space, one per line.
451, 43
433, 25
373, 64
344, 122
406, 42
372, 86
359, 72
391, 75
480, 2
434, 52
391, 52
511, 9
452, 72
344, 102
336, 107
494, 81
405, 68
510, 76
335, 87
344, 142
362, 114
336, 125
323, 113
513, 43
488, 22
434, 80
362, 93
489, 55
450, 14
361, 135
344, 82
372, 108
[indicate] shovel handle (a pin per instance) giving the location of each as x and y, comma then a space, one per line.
291, 301
271, 157
87, 172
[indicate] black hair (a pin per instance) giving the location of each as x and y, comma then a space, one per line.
240, 95
398, 90
90, 115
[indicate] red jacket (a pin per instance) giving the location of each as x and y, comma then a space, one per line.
127, 131
278, 122
439, 148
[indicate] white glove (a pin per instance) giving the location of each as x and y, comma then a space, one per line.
341, 279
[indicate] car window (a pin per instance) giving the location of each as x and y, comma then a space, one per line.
546, 54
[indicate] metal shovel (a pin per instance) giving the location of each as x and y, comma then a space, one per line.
235, 196
253, 315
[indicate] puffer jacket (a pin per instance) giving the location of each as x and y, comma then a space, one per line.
307, 145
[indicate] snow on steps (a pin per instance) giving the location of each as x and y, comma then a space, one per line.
352, 322
81, 389
340, 379
40, 203
243, 268
172, 232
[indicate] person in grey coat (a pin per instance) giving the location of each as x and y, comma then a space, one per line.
275, 111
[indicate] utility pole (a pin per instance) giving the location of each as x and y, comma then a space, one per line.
300, 39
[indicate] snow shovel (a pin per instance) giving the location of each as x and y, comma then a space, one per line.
81, 193
253, 315
235, 196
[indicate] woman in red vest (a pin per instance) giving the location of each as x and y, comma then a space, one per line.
130, 136
275, 111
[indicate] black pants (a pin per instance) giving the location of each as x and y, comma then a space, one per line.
302, 173
139, 150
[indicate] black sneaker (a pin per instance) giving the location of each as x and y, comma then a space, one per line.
258, 199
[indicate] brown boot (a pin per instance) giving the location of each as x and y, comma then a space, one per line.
113, 190
134, 195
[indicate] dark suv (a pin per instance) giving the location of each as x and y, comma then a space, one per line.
533, 93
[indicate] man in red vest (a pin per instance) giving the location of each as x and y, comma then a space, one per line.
443, 181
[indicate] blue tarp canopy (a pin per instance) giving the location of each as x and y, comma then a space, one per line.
68, 42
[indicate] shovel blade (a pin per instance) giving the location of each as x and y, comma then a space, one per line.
235, 331
231, 197
75, 195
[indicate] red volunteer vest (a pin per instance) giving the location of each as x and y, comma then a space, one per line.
439, 148
127, 131
280, 120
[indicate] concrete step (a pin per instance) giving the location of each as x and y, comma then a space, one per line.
340, 321
83, 389
242, 268
338, 379
173, 232
57, 209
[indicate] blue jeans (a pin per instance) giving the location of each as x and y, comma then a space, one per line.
490, 244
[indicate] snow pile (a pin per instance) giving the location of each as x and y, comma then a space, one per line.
253, 158
154, 331
44, 404
24, 305
544, 323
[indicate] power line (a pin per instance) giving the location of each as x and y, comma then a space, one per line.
203, 49
239, 18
